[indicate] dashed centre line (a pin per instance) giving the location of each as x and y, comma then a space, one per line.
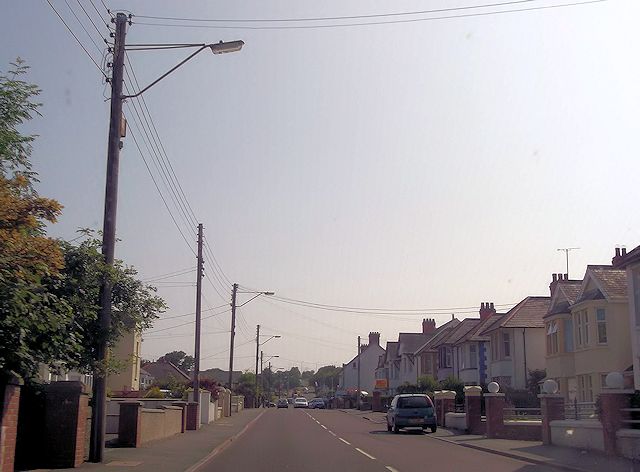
323, 426
391, 469
365, 454
345, 441
332, 433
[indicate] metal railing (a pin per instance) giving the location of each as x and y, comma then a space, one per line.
576, 410
522, 414
631, 417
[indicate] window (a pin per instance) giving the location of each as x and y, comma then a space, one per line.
495, 347
568, 335
585, 388
582, 328
552, 337
601, 322
448, 356
635, 283
506, 345
473, 356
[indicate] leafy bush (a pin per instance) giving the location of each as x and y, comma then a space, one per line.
154, 392
454, 384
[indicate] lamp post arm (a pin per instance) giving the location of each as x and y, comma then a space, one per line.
204, 46
252, 298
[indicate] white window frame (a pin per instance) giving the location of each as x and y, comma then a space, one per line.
601, 323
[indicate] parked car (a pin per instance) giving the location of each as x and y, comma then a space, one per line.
301, 402
319, 403
283, 403
271, 405
290, 401
411, 411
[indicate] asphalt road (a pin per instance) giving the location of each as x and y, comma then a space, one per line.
333, 441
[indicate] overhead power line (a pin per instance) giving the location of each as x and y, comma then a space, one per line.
186, 323
170, 274
369, 23
189, 314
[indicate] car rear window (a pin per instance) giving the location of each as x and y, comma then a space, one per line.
414, 402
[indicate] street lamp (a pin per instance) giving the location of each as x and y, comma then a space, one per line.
234, 294
258, 344
98, 418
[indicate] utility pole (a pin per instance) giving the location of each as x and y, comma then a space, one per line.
358, 392
261, 376
234, 292
99, 415
196, 367
257, 350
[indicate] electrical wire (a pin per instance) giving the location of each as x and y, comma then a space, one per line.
228, 349
186, 323
90, 19
77, 39
332, 18
169, 336
372, 23
170, 274
82, 25
100, 14
189, 314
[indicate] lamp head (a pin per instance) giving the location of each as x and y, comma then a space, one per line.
225, 47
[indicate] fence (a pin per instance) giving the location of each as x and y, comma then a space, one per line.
576, 410
522, 414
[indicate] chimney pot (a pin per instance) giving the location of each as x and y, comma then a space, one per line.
617, 252
624, 251
492, 306
554, 277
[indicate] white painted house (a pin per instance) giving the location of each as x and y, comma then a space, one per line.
368, 361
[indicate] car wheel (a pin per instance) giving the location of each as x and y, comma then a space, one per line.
389, 427
434, 428
396, 430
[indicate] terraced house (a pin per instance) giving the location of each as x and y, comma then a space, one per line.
517, 342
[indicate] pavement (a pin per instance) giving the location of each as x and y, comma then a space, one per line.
563, 458
182, 452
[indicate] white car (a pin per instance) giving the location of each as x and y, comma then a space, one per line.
300, 402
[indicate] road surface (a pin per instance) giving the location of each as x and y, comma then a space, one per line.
302, 440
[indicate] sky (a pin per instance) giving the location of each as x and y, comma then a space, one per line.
428, 165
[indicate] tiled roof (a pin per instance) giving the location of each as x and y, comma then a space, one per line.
528, 313
613, 281
458, 333
409, 342
629, 258
220, 376
163, 371
441, 333
392, 350
484, 324
565, 293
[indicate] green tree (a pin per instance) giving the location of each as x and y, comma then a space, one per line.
179, 359
454, 384
34, 322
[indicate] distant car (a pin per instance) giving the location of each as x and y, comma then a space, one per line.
283, 403
301, 402
290, 401
319, 403
271, 405
411, 411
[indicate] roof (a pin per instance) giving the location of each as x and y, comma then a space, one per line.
483, 325
441, 333
220, 376
466, 327
392, 350
529, 313
631, 257
409, 342
610, 282
164, 371
563, 295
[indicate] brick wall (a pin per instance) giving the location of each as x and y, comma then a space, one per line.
10, 394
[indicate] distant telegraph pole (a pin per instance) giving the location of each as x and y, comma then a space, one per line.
234, 292
255, 402
566, 252
196, 368
358, 392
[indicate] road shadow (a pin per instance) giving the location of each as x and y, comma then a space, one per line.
416, 432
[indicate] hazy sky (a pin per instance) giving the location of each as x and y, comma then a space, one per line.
430, 164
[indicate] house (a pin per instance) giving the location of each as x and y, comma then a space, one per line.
165, 373
408, 344
517, 342
392, 367
600, 318
448, 365
428, 352
382, 376
560, 362
630, 262
367, 360
127, 354
220, 376
470, 347
146, 379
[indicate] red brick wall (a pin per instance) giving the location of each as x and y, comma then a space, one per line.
10, 393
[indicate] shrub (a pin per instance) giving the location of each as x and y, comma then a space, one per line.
154, 392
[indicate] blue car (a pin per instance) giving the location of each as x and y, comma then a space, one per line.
411, 411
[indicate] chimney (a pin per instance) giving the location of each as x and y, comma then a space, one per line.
486, 310
363, 347
374, 339
620, 253
555, 278
428, 325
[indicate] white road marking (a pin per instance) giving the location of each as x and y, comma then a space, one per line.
391, 469
345, 441
364, 453
323, 426
332, 433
